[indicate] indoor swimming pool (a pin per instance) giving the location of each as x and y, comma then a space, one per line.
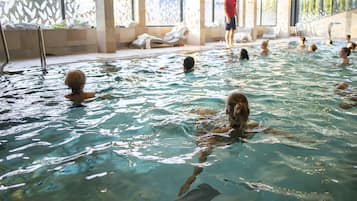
137, 139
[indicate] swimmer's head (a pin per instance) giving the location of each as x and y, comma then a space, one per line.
75, 80
345, 52
312, 47
243, 54
342, 86
265, 44
348, 37
237, 109
329, 42
351, 46
188, 64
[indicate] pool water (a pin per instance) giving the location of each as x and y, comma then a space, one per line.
137, 139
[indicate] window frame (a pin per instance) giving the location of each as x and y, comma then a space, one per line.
261, 14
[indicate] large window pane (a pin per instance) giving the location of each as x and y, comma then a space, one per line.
209, 12
163, 12
219, 11
123, 12
45, 12
80, 12
268, 16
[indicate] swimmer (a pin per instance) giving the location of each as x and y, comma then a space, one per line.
329, 42
76, 80
352, 46
302, 42
237, 110
243, 55
188, 64
312, 48
344, 53
348, 38
264, 47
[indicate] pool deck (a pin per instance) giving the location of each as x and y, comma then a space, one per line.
127, 53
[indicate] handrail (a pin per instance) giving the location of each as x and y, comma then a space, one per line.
7, 55
42, 49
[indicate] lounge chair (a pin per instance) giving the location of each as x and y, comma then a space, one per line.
173, 38
243, 35
271, 33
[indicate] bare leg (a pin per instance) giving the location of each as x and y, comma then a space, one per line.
227, 38
231, 35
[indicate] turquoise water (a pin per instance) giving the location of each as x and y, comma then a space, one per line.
139, 143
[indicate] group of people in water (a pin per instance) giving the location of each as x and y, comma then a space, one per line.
237, 108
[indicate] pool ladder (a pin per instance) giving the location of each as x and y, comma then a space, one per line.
41, 46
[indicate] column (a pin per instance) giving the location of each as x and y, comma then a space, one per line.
106, 41
139, 9
284, 17
251, 16
195, 22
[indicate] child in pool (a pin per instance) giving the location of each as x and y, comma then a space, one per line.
344, 53
76, 80
243, 55
329, 42
264, 47
188, 64
302, 42
352, 46
312, 48
237, 109
348, 38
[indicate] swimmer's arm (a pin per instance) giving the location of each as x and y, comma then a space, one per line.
196, 171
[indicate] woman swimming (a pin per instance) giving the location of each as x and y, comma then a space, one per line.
76, 80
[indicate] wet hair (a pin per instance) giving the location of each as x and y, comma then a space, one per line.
265, 43
188, 64
346, 50
313, 47
75, 80
237, 109
243, 54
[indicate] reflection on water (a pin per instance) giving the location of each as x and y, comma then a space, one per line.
140, 129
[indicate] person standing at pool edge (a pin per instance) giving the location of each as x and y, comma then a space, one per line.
230, 19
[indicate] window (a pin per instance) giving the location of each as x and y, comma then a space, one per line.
80, 12
209, 12
266, 12
214, 12
46, 12
314, 9
163, 12
123, 12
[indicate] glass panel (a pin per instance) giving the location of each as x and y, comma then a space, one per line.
338, 6
327, 7
268, 12
45, 12
219, 12
208, 12
80, 12
162, 12
259, 11
123, 12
